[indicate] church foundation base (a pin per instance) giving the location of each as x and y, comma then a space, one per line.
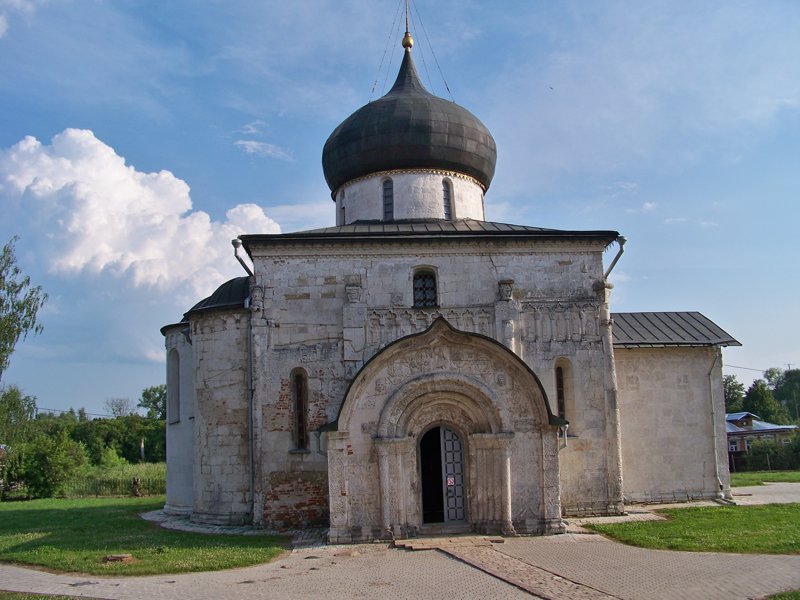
178, 510
354, 535
539, 527
229, 519
669, 497
594, 509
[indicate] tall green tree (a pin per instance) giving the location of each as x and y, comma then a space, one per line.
773, 377
760, 401
19, 304
17, 426
787, 392
17, 413
119, 407
154, 401
734, 393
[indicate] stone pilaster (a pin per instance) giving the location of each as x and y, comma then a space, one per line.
615, 503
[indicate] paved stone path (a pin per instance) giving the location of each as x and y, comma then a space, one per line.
769, 493
636, 573
346, 572
575, 566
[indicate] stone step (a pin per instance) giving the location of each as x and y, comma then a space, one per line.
434, 543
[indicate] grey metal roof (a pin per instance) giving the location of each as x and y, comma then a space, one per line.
416, 229
764, 426
409, 128
658, 329
737, 416
731, 428
424, 226
755, 426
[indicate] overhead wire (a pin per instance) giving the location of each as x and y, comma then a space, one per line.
421, 49
745, 368
62, 411
397, 14
436, 60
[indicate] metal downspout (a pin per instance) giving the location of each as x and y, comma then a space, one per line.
621, 239
250, 396
237, 243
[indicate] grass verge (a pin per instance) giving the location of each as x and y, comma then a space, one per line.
793, 595
759, 477
73, 536
767, 529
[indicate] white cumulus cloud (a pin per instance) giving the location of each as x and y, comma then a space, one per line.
644, 208
94, 213
19, 6
263, 149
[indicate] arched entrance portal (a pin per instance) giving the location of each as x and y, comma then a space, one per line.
443, 429
441, 460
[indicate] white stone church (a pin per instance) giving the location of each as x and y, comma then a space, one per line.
417, 369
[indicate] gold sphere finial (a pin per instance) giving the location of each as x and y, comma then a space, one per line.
408, 41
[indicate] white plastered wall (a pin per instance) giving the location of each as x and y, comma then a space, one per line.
671, 410
417, 195
180, 427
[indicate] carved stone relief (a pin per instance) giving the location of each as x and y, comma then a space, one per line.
353, 293
506, 289
545, 323
387, 325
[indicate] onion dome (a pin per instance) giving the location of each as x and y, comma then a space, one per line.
409, 128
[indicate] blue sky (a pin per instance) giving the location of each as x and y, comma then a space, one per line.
138, 138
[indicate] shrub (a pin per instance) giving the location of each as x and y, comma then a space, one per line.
48, 462
774, 455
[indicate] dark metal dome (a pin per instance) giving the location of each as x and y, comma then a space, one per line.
231, 294
409, 128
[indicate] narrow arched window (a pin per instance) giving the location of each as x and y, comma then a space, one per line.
173, 386
300, 393
447, 200
565, 400
425, 289
388, 200
340, 217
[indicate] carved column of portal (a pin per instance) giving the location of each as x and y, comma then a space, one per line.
551, 521
491, 499
394, 469
504, 447
386, 498
338, 447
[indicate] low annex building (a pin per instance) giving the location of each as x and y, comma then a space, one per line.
416, 369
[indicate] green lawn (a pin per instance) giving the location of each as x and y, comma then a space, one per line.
794, 595
74, 535
768, 529
759, 477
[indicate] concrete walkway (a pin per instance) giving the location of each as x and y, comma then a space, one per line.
574, 566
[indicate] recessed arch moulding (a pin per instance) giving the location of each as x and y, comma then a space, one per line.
470, 384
